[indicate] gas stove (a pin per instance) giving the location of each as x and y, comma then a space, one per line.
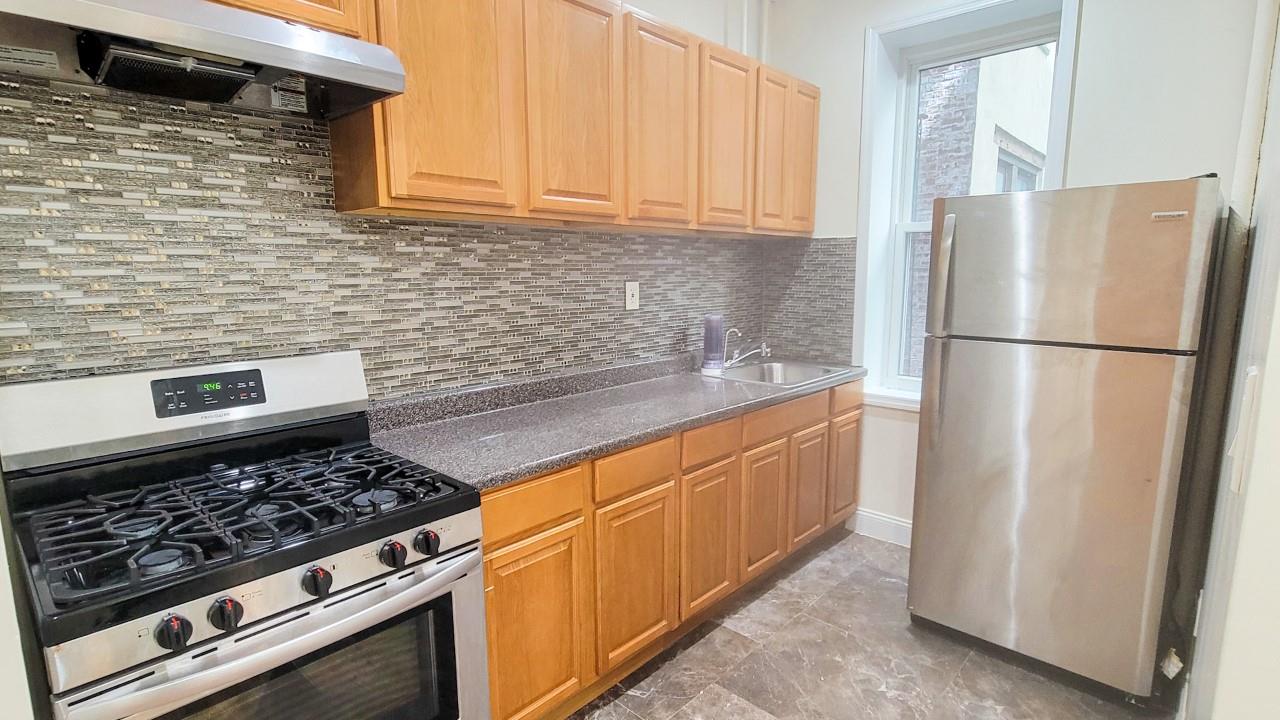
166, 513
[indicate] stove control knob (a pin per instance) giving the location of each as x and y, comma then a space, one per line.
173, 633
226, 613
427, 542
393, 555
317, 581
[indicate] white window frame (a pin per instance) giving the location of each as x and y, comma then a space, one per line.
896, 54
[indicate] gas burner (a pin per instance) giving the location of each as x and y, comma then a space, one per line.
161, 561
119, 540
376, 501
139, 525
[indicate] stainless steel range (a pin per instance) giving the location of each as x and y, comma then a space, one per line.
223, 541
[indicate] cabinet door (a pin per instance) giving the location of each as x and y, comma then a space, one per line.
455, 134
709, 509
807, 514
538, 608
772, 151
636, 573
340, 16
802, 155
573, 70
662, 121
842, 485
763, 536
727, 86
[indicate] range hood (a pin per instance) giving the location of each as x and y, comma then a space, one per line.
196, 50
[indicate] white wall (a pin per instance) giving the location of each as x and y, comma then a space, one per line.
1160, 87
889, 451
1158, 93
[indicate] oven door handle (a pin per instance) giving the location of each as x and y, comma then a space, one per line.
181, 691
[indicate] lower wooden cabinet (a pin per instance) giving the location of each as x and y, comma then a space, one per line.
709, 515
806, 504
592, 569
764, 508
636, 573
842, 487
538, 609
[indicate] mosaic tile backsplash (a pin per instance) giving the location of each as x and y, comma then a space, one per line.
138, 233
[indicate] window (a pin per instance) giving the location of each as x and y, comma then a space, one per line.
971, 125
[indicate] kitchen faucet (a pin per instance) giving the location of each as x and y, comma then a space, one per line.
762, 348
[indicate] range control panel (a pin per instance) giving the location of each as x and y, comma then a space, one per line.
201, 393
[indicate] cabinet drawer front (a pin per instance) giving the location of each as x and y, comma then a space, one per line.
456, 133
635, 469
516, 511
662, 121
846, 445
727, 112
846, 397
713, 442
763, 538
340, 16
636, 575
710, 507
537, 602
779, 420
808, 488
573, 70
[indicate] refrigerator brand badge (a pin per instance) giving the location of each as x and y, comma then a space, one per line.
1169, 215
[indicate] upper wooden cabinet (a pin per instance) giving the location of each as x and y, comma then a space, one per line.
340, 16
457, 131
560, 111
573, 71
786, 152
802, 155
771, 202
662, 121
727, 140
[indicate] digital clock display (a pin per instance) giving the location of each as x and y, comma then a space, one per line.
192, 394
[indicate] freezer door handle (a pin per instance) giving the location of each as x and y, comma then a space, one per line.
940, 278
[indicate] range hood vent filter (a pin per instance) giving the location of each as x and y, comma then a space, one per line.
125, 66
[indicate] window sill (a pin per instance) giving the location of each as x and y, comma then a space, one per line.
893, 399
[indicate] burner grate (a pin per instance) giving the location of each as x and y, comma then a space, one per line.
118, 541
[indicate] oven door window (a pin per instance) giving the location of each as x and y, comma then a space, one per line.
402, 668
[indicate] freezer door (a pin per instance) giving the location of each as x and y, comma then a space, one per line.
1120, 266
1045, 490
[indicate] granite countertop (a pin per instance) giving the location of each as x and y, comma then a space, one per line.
498, 447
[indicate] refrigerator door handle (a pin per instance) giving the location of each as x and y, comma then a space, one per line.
934, 385
940, 279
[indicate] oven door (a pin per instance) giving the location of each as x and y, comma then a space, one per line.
406, 646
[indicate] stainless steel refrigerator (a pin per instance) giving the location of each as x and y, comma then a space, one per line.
1063, 334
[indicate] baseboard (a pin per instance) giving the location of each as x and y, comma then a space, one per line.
882, 527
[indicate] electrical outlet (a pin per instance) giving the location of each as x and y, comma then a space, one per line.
633, 295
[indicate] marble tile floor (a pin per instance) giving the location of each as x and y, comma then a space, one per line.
827, 637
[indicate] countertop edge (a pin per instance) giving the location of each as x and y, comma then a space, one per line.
526, 471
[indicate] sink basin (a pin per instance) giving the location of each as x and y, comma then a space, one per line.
782, 374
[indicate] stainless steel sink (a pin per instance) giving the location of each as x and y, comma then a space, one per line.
781, 373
